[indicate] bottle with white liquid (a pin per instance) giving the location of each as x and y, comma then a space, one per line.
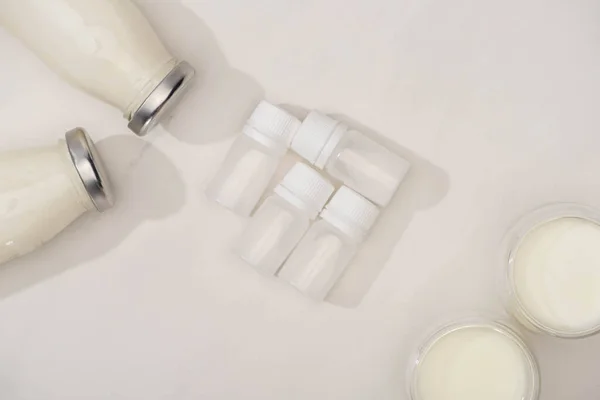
253, 159
474, 361
106, 47
553, 270
279, 224
43, 190
330, 244
349, 156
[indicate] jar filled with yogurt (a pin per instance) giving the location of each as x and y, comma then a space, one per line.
43, 190
474, 360
105, 47
552, 264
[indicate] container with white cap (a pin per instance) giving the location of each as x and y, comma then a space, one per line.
44, 189
106, 47
253, 159
349, 156
282, 220
328, 247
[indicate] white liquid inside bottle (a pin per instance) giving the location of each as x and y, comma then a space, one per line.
475, 361
554, 272
359, 162
273, 232
281, 221
253, 159
367, 167
245, 180
106, 47
325, 251
43, 190
318, 261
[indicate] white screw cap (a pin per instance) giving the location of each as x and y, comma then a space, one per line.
305, 187
272, 122
352, 210
317, 137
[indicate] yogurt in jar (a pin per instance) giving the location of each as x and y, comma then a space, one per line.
554, 271
475, 361
43, 190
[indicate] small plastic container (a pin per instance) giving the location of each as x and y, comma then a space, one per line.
474, 360
349, 156
253, 159
552, 268
282, 220
330, 244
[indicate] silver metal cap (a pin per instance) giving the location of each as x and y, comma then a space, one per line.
162, 99
90, 168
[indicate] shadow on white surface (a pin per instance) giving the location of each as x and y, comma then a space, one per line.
222, 97
557, 357
147, 187
425, 186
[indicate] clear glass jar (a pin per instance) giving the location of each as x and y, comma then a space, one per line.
552, 262
474, 360
349, 156
328, 247
43, 190
253, 159
279, 224
105, 47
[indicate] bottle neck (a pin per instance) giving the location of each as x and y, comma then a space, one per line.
149, 87
349, 229
275, 146
77, 187
332, 143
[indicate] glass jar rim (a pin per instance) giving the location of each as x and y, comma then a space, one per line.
533, 388
513, 240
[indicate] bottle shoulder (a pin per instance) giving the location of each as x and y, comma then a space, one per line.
253, 139
322, 227
278, 202
350, 139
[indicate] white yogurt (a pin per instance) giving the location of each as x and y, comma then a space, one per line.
555, 276
474, 362
41, 193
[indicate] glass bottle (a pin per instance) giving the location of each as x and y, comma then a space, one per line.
105, 47
43, 190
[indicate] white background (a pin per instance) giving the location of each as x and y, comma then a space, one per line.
494, 102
